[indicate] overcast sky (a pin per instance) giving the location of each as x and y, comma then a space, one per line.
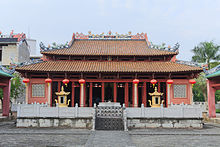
185, 21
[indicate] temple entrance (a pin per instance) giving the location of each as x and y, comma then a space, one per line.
109, 92
121, 93
96, 93
163, 89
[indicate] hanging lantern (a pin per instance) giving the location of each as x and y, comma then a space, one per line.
25, 81
169, 82
82, 81
153, 81
48, 81
66, 81
192, 81
135, 81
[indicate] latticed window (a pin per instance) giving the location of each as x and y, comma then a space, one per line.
179, 91
38, 90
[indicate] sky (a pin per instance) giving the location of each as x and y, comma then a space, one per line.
187, 22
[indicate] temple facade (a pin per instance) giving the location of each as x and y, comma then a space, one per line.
111, 67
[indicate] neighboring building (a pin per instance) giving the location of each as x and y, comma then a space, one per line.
32, 46
117, 68
213, 84
13, 49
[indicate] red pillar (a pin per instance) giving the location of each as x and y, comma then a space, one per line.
6, 98
82, 92
126, 94
211, 99
135, 92
144, 100
73, 94
115, 92
90, 94
103, 91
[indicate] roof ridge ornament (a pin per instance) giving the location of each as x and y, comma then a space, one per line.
110, 35
162, 47
213, 70
44, 48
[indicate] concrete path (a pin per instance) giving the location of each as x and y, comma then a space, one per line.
109, 139
10, 136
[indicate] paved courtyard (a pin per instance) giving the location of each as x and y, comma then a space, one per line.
54, 137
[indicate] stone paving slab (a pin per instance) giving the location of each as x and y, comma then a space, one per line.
109, 139
10, 136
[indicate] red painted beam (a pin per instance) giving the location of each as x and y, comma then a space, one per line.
115, 92
144, 91
6, 99
73, 94
126, 94
90, 94
103, 91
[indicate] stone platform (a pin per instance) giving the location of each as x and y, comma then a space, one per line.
181, 116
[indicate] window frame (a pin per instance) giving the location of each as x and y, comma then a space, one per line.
32, 90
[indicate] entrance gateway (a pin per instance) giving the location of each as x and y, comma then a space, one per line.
109, 116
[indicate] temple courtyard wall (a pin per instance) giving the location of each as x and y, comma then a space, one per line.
175, 116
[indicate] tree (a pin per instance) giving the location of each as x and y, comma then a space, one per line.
17, 87
206, 52
200, 88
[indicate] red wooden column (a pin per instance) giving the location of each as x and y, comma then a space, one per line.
90, 94
126, 94
135, 92
144, 91
115, 92
103, 91
73, 94
82, 92
6, 98
211, 99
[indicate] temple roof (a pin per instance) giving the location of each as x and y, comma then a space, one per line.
114, 45
100, 66
109, 47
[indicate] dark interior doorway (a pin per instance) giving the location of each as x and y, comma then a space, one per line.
130, 94
163, 89
76, 94
109, 92
150, 89
120, 93
96, 93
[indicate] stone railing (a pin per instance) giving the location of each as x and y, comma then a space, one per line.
43, 111
175, 111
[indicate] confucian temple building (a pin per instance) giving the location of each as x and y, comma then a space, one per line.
109, 67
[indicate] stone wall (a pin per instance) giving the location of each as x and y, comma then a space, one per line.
40, 115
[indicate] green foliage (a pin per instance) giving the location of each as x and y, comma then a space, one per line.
214, 64
206, 52
200, 88
16, 86
217, 96
217, 110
